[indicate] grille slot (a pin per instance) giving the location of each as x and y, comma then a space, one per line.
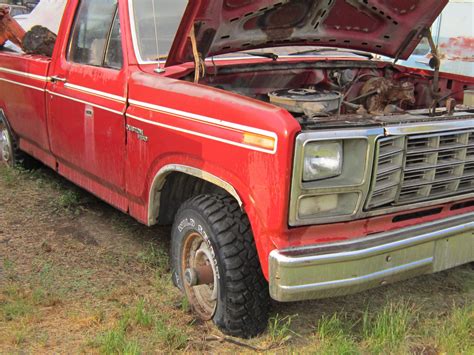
416, 168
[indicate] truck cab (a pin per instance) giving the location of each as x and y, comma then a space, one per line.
290, 163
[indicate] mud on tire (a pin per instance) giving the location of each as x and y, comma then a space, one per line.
243, 301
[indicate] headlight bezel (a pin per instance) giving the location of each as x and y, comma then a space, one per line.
347, 182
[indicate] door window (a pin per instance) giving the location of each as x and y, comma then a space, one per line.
95, 39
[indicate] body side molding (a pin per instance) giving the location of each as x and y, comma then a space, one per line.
160, 178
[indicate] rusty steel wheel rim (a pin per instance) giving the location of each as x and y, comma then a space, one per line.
5, 145
197, 255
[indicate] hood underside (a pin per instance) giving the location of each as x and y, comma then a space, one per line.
388, 27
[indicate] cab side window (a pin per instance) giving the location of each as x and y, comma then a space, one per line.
95, 39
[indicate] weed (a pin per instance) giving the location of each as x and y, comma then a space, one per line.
174, 338
15, 308
334, 335
185, 305
141, 316
456, 334
155, 258
20, 336
115, 342
10, 175
388, 329
279, 328
9, 267
69, 200
44, 292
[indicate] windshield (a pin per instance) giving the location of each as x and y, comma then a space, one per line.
156, 23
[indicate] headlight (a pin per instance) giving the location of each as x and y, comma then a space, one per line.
322, 160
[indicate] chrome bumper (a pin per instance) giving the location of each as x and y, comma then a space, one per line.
336, 269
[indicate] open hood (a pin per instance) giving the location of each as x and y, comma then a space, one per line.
388, 27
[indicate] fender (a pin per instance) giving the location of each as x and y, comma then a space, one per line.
160, 178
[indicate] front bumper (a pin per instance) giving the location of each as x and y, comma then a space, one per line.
336, 269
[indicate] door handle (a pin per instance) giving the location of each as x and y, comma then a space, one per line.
55, 79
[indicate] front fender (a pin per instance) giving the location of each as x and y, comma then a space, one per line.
172, 122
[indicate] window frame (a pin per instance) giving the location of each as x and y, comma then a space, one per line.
133, 31
109, 37
72, 33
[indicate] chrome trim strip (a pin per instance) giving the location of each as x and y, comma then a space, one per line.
160, 178
304, 272
21, 84
353, 249
204, 119
355, 281
94, 92
183, 130
430, 127
25, 75
85, 102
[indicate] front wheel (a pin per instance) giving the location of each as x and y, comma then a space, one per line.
215, 262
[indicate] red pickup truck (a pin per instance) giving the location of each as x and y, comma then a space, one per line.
291, 164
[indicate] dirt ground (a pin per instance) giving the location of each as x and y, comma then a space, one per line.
77, 276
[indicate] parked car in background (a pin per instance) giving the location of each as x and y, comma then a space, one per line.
453, 33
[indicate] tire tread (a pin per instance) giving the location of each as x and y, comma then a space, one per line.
247, 297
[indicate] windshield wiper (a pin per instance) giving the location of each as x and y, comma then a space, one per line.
330, 49
270, 55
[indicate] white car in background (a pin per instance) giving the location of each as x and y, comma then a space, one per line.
453, 33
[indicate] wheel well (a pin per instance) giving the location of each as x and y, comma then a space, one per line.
178, 188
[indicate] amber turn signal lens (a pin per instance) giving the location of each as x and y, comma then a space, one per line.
258, 140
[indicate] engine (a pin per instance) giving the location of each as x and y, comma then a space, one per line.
377, 96
310, 102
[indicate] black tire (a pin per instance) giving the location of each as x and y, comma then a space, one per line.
15, 156
243, 301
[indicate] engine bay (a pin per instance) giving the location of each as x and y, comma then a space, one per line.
345, 91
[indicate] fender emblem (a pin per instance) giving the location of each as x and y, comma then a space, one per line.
140, 134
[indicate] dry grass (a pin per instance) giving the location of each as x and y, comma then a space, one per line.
76, 276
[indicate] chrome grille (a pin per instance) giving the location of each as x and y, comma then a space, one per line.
422, 167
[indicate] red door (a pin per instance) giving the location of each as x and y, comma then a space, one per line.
87, 101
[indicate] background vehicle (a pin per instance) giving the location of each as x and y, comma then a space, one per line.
311, 174
454, 37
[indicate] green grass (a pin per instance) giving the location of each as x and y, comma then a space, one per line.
155, 258
141, 315
161, 333
13, 309
387, 330
279, 328
120, 300
456, 333
173, 337
334, 335
115, 342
